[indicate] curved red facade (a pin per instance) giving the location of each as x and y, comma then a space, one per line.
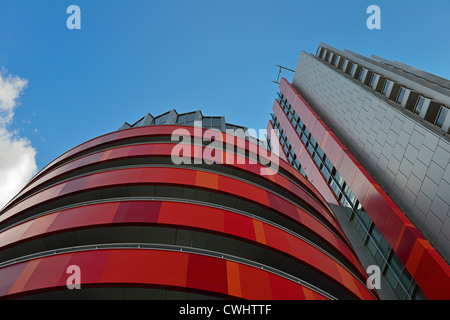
120, 210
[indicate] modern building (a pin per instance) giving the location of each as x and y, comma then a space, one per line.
116, 218
373, 137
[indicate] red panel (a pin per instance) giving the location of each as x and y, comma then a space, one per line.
276, 239
138, 211
192, 216
210, 277
44, 274
237, 224
38, 228
11, 235
92, 265
9, 277
146, 266
255, 285
84, 216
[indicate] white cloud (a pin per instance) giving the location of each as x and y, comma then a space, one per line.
17, 156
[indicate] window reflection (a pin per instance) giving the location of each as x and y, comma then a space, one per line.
419, 104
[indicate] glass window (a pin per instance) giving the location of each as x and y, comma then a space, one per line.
137, 124
310, 148
359, 227
290, 117
182, 118
405, 278
336, 189
296, 163
269, 144
303, 173
352, 69
386, 86
362, 74
390, 276
336, 61
358, 207
319, 152
313, 141
322, 55
280, 97
419, 104
343, 201
395, 264
206, 122
351, 197
290, 158
306, 132
372, 80
317, 159
216, 122
190, 117
365, 219
328, 164
418, 294
325, 172
441, 117
376, 235
304, 138
164, 118
401, 95
273, 117
372, 247
400, 292
384, 247
285, 148
338, 178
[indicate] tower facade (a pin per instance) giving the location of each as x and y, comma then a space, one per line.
372, 137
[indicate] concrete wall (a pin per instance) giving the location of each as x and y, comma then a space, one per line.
408, 159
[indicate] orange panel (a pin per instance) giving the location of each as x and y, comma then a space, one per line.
233, 279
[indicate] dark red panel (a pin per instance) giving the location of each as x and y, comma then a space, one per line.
210, 277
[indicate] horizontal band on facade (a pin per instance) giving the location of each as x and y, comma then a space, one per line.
188, 269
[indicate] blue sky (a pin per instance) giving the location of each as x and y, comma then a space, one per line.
148, 56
